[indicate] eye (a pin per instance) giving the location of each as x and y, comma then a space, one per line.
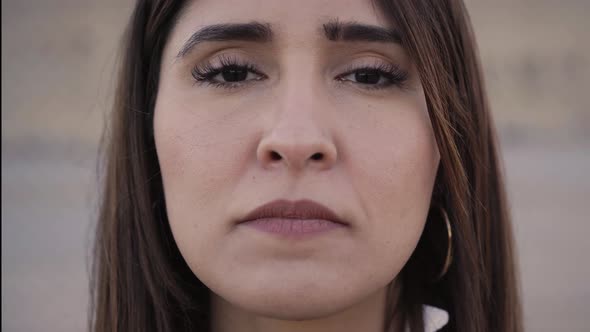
229, 74
375, 77
367, 76
232, 73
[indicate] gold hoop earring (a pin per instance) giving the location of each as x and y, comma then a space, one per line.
449, 257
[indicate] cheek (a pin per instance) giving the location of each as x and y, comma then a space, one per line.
201, 155
190, 161
394, 159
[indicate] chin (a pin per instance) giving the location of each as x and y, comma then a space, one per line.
297, 303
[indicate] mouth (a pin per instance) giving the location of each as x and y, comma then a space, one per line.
293, 219
302, 209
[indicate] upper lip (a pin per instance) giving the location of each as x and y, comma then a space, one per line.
301, 209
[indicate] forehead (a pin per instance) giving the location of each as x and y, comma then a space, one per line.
288, 17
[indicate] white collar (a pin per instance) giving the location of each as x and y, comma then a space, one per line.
434, 318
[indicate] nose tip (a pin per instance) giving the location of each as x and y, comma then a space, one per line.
297, 154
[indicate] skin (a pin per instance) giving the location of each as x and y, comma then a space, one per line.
214, 145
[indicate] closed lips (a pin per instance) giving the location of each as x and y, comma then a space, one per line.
301, 209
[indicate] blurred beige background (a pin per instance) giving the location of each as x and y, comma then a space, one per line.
57, 78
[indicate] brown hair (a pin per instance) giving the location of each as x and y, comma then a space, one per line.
140, 281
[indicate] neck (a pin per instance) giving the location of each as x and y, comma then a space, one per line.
368, 315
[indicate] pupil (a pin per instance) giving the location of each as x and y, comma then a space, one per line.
367, 76
234, 74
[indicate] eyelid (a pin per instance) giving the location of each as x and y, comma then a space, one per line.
364, 61
222, 60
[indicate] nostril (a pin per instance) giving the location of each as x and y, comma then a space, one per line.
275, 156
317, 156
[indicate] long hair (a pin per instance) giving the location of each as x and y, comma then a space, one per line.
140, 282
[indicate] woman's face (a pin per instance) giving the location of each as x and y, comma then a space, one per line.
304, 99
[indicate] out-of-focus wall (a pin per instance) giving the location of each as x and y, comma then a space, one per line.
537, 66
57, 78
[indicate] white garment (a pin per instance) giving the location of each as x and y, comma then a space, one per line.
434, 318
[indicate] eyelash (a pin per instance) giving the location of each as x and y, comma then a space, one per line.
204, 74
394, 74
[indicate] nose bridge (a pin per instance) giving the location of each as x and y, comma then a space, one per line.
299, 136
300, 91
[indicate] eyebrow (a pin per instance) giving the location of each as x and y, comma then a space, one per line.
357, 32
262, 33
253, 31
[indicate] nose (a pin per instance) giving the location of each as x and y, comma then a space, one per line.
299, 138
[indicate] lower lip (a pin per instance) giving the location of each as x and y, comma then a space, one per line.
293, 227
